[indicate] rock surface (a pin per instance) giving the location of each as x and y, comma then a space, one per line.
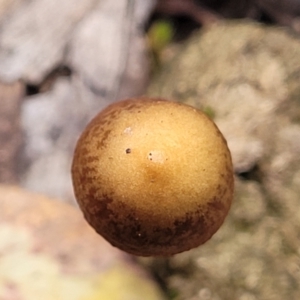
47, 251
11, 96
245, 76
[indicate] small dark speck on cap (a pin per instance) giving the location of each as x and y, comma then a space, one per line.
128, 150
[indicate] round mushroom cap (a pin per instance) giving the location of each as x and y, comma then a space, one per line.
153, 177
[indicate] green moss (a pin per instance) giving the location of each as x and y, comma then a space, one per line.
209, 111
160, 35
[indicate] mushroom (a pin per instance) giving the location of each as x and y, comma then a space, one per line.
152, 176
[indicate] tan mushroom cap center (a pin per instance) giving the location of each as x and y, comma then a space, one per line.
157, 158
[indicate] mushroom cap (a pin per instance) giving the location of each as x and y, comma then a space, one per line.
153, 177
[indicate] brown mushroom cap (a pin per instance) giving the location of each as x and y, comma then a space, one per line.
153, 177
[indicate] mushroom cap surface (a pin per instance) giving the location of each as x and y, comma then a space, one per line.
153, 177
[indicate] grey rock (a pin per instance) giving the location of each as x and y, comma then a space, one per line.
112, 36
51, 124
34, 37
